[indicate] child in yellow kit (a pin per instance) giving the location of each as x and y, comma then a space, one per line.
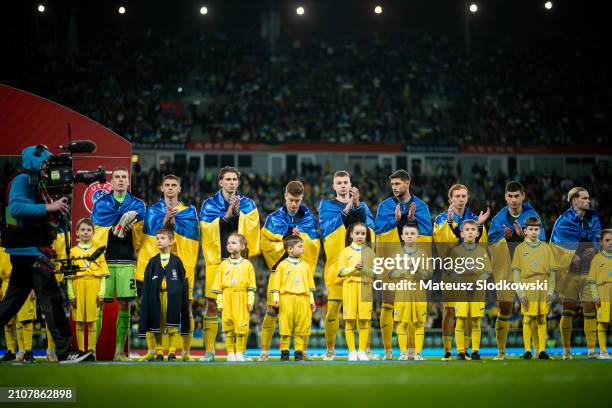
20, 329
411, 305
164, 307
86, 287
534, 262
355, 274
292, 287
600, 281
472, 308
235, 288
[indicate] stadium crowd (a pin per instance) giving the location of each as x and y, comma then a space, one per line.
349, 90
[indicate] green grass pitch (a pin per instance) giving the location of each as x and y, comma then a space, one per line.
515, 383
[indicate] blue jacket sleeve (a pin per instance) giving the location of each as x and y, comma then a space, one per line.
22, 203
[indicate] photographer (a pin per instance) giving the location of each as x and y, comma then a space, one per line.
30, 233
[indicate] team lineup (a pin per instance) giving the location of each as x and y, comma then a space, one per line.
152, 252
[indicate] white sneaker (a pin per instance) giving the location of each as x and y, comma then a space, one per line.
263, 356
372, 356
353, 356
388, 355
231, 357
418, 357
604, 356
239, 357
567, 355
307, 357
593, 354
500, 357
403, 356
362, 356
329, 355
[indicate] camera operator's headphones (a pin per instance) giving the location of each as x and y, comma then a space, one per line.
40, 149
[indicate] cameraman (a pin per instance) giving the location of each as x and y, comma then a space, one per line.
30, 231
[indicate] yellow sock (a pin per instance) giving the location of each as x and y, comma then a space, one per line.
363, 335
535, 338
386, 325
211, 328
159, 347
187, 339
602, 330
165, 341
502, 326
369, 322
590, 330
230, 342
402, 336
476, 333
10, 335
542, 333
305, 339
173, 339
80, 335
332, 323
150, 342
527, 333
92, 331
349, 334
285, 342
241, 340
50, 341
459, 335
28, 333
19, 330
267, 330
447, 341
467, 335
410, 333
419, 337
565, 327
298, 343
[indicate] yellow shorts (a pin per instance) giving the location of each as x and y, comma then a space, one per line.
235, 316
27, 311
294, 315
334, 292
449, 304
603, 312
210, 273
163, 300
411, 312
536, 304
535, 309
356, 302
469, 309
86, 295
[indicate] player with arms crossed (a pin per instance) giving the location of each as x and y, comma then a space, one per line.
118, 226
507, 230
170, 213
223, 214
446, 234
391, 215
574, 239
293, 218
335, 217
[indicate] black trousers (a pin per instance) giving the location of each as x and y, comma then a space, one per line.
25, 277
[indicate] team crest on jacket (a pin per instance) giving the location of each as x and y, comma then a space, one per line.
174, 275
94, 192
